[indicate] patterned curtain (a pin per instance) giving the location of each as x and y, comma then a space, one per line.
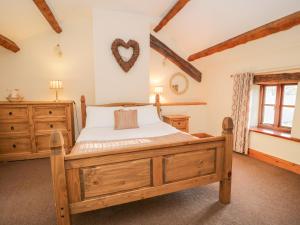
240, 111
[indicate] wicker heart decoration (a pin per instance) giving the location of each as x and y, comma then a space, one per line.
125, 65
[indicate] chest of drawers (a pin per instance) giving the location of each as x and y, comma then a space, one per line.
25, 128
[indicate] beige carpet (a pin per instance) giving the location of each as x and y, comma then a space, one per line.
261, 194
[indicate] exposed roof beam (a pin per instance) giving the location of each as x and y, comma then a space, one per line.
47, 13
281, 24
175, 9
8, 44
173, 57
278, 78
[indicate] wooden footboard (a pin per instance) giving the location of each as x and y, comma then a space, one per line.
93, 181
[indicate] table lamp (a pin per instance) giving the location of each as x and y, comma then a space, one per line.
158, 90
56, 85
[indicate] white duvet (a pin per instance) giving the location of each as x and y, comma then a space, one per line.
108, 133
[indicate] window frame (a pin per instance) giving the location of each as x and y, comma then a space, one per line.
278, 107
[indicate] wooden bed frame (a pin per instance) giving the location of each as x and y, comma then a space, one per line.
85, 182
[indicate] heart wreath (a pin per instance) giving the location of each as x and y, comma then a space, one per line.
125, 65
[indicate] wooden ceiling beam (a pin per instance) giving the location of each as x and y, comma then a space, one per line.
279, 78
281, 24
47, 13
173, 57
175, 9
8, 44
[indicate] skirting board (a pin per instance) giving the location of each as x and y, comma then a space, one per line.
274, 161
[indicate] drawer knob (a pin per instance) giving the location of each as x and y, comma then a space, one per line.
14, 145
10, 113
12, 128
51, 125
50, 112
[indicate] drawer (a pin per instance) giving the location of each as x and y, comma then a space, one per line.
50, 125
49, 111
7, 113
43, 142
118, 177
179, 123
14, 128
189, 165
15, 145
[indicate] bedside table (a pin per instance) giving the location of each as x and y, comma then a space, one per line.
180, 122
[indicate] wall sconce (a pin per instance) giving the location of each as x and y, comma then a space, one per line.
56, 85
158, 91
57, 50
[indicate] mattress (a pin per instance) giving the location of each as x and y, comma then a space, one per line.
106, 138
109, 133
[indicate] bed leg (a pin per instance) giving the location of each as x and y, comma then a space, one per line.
59, 179
225, 183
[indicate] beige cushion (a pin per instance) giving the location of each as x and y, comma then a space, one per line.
125, 119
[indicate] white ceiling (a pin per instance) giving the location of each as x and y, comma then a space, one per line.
199, 25
20, 19
203, 23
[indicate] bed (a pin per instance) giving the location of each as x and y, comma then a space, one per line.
109, 167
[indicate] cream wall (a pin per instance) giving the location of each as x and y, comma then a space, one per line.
161, 71
281, 50
88, 67
278, 147
37, 63
112, 84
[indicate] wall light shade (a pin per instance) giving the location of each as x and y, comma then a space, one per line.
56, 85
158, 90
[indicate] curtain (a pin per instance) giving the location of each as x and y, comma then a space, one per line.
240, 111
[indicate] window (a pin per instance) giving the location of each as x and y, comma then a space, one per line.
277, 106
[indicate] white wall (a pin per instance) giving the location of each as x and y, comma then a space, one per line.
281, 50
112, 84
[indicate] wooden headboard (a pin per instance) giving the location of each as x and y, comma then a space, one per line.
121, 104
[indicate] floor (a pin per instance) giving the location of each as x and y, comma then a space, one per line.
261, 195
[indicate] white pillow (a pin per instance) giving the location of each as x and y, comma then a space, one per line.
100, 116
146, 114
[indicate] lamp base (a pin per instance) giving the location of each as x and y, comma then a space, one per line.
157, 99
56, 96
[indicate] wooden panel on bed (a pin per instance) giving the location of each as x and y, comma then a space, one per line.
109, 179
73, 185
189, 165
101, 158
157, 171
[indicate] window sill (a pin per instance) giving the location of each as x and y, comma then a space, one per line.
274, 133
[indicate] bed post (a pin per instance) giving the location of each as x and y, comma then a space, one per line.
225, 183
83, 110
59, 179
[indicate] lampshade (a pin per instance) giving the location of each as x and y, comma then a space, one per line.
56, 84
158, 90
